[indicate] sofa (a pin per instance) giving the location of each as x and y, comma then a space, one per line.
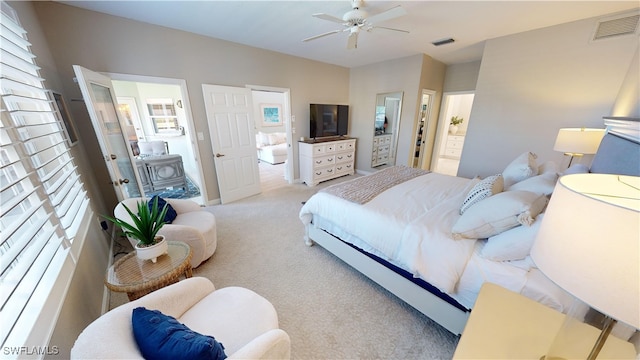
244, 322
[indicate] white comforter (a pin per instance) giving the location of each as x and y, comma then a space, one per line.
408, 225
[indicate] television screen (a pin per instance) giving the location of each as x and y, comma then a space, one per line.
328, 120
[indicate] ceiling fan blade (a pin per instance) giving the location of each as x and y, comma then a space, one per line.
352, 42
328, 17
321, 35
392, 13
388, 28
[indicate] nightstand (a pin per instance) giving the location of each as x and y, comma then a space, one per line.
507, 325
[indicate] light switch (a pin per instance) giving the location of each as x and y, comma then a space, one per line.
200, 136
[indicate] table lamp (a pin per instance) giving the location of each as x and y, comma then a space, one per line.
578, 141
589, 245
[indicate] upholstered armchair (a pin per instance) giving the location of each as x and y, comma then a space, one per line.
243, 321
193, 226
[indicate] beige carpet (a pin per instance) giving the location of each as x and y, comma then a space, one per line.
329, 310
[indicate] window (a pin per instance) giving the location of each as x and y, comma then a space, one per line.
42, 200
163, 116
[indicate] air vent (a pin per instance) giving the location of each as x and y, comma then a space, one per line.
443, 42
619, 26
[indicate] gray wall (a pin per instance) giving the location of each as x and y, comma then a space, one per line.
408, 75
111, 44
532, 84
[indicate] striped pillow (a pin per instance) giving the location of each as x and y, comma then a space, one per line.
491, 185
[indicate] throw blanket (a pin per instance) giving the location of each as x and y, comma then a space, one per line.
363, 189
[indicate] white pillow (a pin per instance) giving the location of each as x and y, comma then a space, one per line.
576, 169
513, 244
499, 213
522, 167
276, 138
548, 167
490, 185
540, 184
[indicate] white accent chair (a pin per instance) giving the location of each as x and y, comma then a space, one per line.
243, 321
193, 226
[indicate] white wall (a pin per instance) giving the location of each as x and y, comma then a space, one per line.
532, 84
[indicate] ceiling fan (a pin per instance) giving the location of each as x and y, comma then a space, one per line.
358, 19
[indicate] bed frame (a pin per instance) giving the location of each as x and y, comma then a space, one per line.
623, 140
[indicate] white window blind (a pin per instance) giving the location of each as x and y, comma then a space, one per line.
42, 199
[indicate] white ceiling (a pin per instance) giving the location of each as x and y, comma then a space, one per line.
281, 25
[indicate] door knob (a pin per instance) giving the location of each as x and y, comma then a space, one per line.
113, 157
123, 181
219, 155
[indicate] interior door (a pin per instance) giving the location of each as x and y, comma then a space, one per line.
230, 119
99, 97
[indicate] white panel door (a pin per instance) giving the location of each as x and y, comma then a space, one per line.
230, 119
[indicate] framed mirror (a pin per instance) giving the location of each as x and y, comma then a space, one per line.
386, 123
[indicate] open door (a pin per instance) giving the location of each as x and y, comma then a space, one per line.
99, 97
230, 120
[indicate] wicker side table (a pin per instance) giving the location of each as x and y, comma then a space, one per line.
139, 277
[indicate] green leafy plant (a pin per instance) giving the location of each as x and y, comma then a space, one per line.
456, 120
145, 224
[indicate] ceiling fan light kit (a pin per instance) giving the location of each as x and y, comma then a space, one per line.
357, 18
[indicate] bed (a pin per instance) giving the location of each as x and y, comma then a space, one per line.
419, 246
272, 147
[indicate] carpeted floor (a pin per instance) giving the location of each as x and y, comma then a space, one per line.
329, 310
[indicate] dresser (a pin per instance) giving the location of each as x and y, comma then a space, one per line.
453, 146
322, 160
381, 150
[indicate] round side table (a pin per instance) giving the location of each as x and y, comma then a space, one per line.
139, 277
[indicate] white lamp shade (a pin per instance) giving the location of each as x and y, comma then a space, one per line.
581, 141
589, 242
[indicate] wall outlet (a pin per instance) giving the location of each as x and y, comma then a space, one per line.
200, 136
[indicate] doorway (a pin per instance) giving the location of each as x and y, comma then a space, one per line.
157, 111
273, 136
422, 140
452, 129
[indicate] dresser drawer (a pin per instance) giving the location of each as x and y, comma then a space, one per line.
455, 153
324, 172
320, 161
344, 157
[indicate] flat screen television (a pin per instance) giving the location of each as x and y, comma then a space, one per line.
328, 120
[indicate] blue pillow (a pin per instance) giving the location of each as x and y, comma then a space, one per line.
171, 212
161, 337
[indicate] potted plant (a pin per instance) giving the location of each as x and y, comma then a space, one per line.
453, 125
144, 227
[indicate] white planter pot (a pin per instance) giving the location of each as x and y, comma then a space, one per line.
154, 251
453, 129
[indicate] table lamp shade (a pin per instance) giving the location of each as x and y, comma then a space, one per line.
589, 242
581, 141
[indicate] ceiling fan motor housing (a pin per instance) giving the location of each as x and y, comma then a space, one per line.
355, 17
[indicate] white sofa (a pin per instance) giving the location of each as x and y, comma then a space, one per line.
272, 147
193, 226
243, 321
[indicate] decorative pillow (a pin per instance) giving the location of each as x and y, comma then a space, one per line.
276, 138
161, 336
491, 185
548, 167
513, 244
540, 184
171, 212
576, 169
499, 213
523, 167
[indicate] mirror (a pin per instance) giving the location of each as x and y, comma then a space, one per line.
385, 128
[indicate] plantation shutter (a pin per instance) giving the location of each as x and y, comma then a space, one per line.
42, 199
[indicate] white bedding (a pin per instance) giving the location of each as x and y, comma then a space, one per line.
410, 226
406, 225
